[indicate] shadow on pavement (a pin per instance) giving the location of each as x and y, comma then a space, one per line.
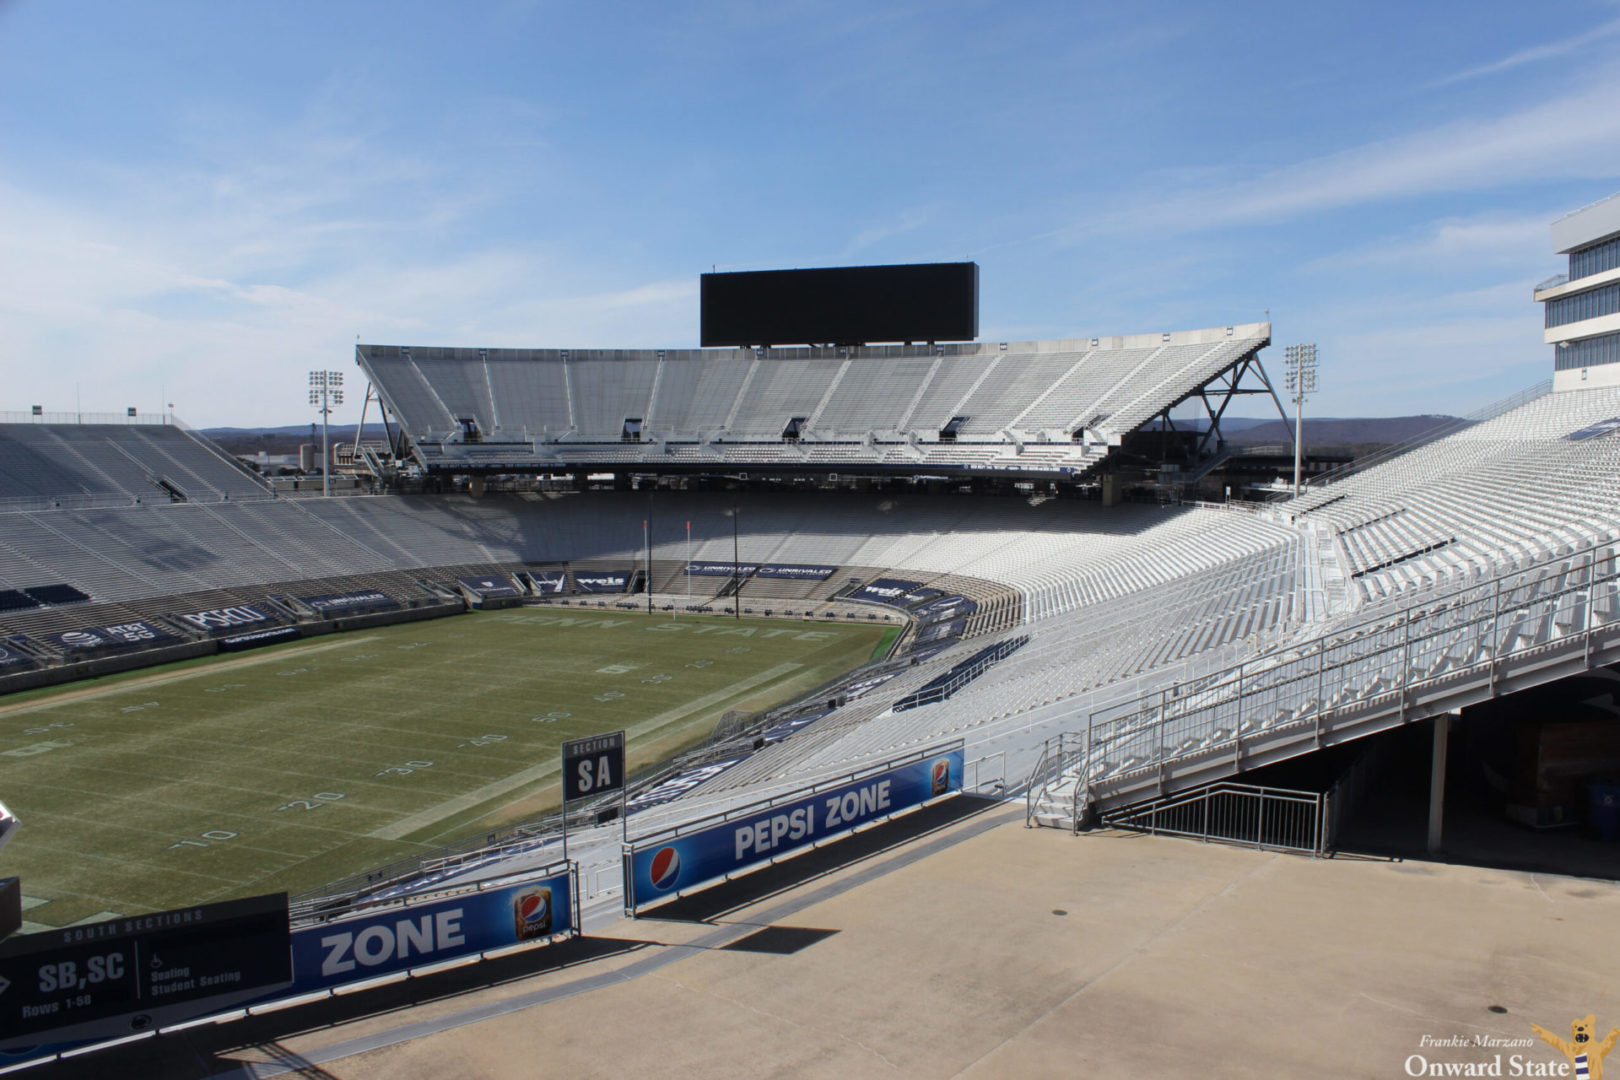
208, 1051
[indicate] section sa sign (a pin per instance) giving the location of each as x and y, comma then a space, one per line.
593, 766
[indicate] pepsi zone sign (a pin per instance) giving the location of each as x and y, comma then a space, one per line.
659, 869
416, 935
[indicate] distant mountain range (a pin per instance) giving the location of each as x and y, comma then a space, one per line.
1335, 431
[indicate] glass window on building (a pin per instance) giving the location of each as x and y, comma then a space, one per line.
1595, 259
1587, 305
1588, 353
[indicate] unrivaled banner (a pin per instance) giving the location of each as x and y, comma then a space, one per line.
340, 603
11, 658
788, 571
416, 935
659, 869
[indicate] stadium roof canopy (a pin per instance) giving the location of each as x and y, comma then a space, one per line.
1043, 408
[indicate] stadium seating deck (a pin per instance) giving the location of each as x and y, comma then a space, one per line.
856, 405
1521, 483
1115, 602
134, 463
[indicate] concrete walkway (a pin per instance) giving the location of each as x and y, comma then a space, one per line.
986, 950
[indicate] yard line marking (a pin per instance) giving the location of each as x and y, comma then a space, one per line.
73, 853
200, 671
405, 826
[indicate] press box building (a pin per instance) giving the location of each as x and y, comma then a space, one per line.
1583, 306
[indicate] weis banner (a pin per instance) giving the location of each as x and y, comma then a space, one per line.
548, 582
601, 581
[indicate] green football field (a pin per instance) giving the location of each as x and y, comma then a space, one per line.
298, 764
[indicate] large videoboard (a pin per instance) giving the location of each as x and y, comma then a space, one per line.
843, 305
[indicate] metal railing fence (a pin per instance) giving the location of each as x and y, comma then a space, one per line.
1556, 606
1264, 817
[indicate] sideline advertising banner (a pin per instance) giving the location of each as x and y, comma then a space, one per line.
548, 582
490, 588
415, 935
787, 571
659, 868
335, 604
887, 591
253, 640
217, 621
601, 581
130, 635
11, 658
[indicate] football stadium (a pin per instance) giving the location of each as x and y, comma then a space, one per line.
899, 681
938, 581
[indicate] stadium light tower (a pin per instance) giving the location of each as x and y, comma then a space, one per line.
325, 393
1301, 363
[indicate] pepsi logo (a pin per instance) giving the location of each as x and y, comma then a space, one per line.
533, 908
665, 868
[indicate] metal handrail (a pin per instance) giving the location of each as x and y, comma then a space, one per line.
1298, 820
14, 417
1393, 665
992, 656
1037, 780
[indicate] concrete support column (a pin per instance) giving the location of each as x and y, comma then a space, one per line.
1437, 781
1110, 490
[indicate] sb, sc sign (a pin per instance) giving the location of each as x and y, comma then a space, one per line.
593, 766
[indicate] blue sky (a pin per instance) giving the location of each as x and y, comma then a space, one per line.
205, 200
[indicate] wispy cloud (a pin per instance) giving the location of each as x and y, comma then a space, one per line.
1492, 240
905, 222
1532, 55
225, 287
1578, 134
